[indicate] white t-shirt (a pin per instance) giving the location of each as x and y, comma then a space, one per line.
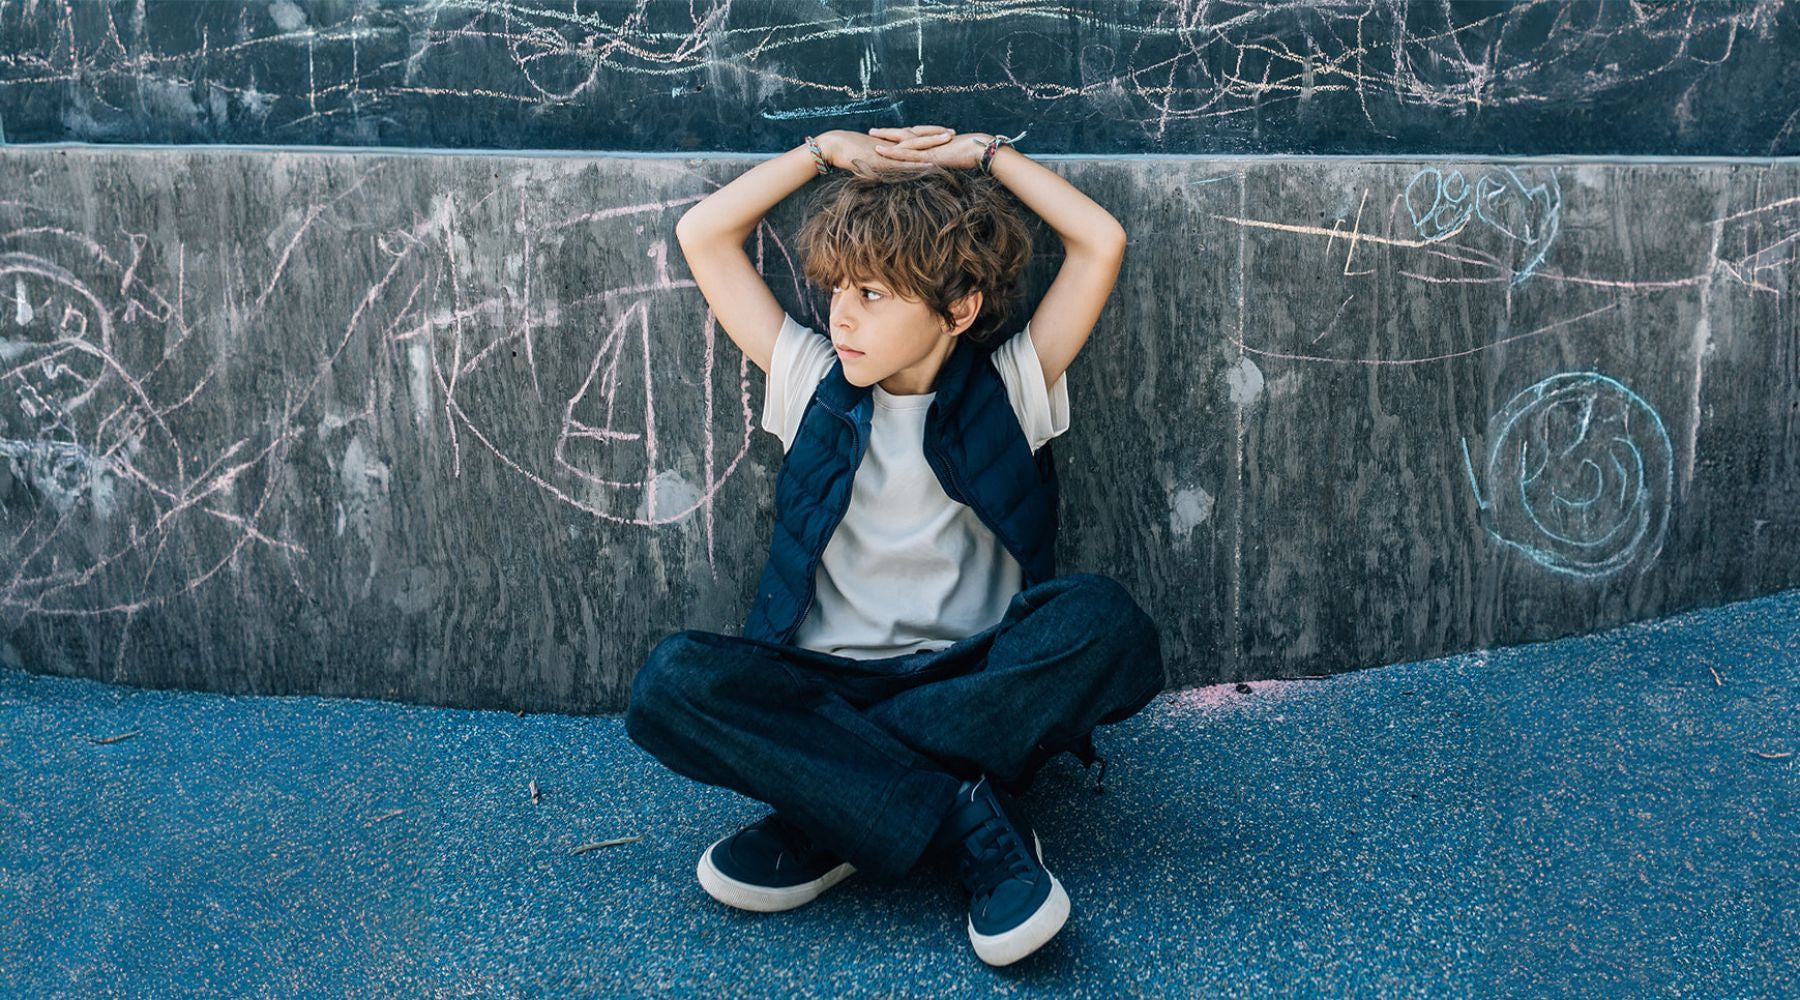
908, 568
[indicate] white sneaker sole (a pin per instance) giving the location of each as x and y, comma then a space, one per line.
1034, 933
762, 898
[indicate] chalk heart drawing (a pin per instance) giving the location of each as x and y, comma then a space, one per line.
58, 374
1580, 476
1443, 204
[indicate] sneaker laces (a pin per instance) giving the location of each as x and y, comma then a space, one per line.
793, 836
993, 853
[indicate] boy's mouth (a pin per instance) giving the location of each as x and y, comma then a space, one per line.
846, 352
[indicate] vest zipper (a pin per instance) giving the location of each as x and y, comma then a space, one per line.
956, 481
968, 501
796, 629
812, 583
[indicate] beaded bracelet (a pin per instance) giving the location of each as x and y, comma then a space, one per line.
818, 156
993, 147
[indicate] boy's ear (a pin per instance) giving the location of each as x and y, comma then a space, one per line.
964, 310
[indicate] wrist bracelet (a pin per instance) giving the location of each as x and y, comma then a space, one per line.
993, 147
817, 155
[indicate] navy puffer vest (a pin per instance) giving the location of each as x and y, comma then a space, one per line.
972, 441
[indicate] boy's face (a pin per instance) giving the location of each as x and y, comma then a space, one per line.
902, 342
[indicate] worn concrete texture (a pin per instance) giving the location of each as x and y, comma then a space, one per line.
458, 429
1610, 815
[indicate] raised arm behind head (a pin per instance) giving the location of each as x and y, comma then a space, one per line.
712, 234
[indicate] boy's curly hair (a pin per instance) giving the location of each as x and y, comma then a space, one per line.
929, 233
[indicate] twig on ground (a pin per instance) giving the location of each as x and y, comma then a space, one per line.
605, 843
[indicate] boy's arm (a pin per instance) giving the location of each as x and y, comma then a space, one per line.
712, 236
1094, 242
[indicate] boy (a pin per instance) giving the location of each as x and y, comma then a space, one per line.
911, 646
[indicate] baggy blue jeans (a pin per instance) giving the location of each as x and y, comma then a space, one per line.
867, 755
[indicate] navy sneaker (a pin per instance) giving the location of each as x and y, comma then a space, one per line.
769, 865
1015, 904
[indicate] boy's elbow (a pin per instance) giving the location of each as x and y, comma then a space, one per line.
692, 232
1105, 234
691, 224
1101, 240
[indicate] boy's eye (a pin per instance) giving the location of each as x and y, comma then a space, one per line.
838, 288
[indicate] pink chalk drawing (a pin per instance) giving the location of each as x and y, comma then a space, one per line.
650, 421
100, 480
1227, 698
117, 497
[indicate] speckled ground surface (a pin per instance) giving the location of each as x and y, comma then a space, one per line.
1603, 816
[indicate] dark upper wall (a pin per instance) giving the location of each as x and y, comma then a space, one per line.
1695, 78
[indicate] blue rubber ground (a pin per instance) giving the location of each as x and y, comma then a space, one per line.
1612, 815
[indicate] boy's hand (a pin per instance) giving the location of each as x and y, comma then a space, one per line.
843, 147
942, 146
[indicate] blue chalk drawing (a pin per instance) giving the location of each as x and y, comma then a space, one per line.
1441, 205
1450, 207
1581, 475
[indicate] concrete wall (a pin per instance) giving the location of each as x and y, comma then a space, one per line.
1378, 77
457, 428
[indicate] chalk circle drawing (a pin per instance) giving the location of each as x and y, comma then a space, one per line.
57, 368
1442, 205
97, 490
1580, 475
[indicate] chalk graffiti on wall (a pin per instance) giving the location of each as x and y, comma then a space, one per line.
1601, 513
1579, 476
1426, 234
612, 452
98, 489
1170, 76
1441, 205
563, 343
48, 387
